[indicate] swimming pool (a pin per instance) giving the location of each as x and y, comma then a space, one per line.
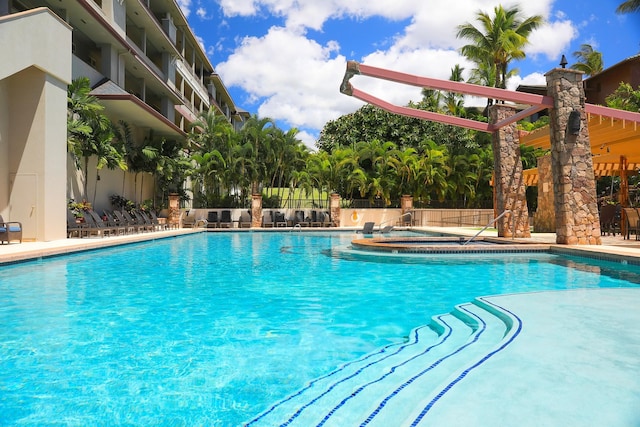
213, 328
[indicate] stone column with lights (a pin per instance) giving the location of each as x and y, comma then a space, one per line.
174, 210
334, 207
510, 189
544, 220
256, 210
574, 185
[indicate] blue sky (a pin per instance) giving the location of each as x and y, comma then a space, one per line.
285, 59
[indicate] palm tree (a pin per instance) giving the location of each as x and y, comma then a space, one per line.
454, 102
629, 6
89, 132
258, 132
589, 60
501, 38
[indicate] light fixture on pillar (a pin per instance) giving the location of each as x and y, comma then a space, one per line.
574, 122
563, 61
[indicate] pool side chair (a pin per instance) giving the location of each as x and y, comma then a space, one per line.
367, 228
267, 219
245, 220
156, 221
225, 219
112, 222
212, 219
632, 221
315, 220
386, 229
98, 224
280, 220
188, 219
75, 228
299, 219
10, 231
129, 224
136, 218
325, 218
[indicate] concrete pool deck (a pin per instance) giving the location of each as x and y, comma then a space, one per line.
574, 361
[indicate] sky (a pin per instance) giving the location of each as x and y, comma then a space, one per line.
285, 59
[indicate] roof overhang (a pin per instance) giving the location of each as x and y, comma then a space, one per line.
135, 112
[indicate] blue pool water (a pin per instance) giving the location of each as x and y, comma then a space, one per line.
211, 329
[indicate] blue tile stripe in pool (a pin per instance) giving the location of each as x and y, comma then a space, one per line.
430, 405
476, 337
391, 371
443, 337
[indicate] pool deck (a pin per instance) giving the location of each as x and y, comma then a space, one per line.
575, 359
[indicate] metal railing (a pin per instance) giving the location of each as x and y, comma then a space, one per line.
490, 224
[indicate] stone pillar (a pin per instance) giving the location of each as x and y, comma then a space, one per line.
508, 181
574, 188
256, 210
174, 210
406, 204
334, 205
544, 220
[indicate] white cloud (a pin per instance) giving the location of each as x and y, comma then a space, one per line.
307, 139
292, 78
551, 40
533, 79
185, 6
239, 7
296, 79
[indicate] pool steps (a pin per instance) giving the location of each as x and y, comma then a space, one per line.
400, 383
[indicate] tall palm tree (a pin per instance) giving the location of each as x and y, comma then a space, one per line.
454, 102
501, 37
589, 60
629, 6
89, 131
258, 132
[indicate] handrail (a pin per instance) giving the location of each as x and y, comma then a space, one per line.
394, 219
493, 221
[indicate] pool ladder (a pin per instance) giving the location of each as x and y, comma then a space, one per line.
493, 221
393, 220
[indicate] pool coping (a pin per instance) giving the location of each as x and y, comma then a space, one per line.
21, 252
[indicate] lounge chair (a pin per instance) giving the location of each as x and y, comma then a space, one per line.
367, 228
75, 227
325, 218
267, 219
280, 219
141, 220
129, 224
160, 225
112, 222
189, 220
386, 229
96, 225
299, 219
10, 231
632, 221
225, 219
315, 220
212, 219
245, 220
